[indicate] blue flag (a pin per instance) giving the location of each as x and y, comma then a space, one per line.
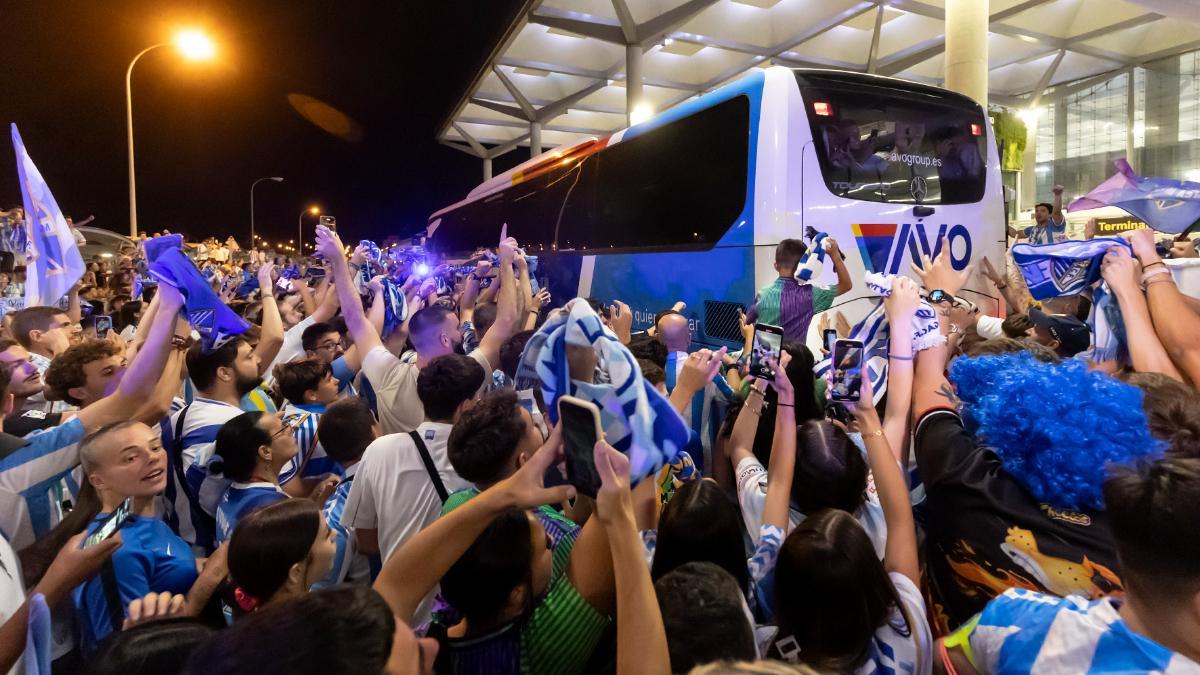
54, 261
1167, 205
1065, 268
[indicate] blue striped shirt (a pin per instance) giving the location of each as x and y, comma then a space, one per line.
348, 563
239, 500
1027, 632
707, 410
192, 512
310, 460
32, 473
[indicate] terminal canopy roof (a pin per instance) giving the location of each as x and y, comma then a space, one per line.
562, 62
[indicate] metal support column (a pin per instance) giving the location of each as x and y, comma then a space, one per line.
633, 79
535, 139
487, 168
1130, 116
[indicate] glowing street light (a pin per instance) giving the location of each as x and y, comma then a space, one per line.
314, 210
193, 45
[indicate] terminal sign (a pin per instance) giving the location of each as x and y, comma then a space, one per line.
1106, 226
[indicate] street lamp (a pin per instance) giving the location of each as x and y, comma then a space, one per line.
316, 211
277, 179
194, 46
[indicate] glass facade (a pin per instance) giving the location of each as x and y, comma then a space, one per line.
1079, 136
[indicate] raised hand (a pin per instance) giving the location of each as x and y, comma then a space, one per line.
74, 565
939, 274
1143, 245
1121, 270
329, 244
747, 329
376, 283
266, 276
525, 489
904, 300
614, 501
782, 383
842, 325
700, 368
989, 272
621, 320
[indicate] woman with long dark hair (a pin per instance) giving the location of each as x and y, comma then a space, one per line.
837, 607
279, 551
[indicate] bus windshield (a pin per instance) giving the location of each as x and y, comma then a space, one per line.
890, 145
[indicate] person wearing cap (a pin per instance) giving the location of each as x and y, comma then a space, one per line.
1063, 333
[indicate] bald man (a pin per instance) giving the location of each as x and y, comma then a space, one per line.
708, 407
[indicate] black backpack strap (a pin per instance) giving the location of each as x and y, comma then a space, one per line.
430, 467
177, 456
112, 596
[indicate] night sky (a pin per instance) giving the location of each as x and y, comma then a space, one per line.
205, 131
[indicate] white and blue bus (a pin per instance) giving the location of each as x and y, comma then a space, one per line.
690, 204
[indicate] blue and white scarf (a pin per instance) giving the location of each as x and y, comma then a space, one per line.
395, 307
875, 333
813, 260
1065, 268
636, 419
216, 323
1069, 268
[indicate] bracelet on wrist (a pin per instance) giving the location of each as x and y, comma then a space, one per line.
1148, 275
900, 358
866, 434
785, 405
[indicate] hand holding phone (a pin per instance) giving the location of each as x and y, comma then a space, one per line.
111, 524
768, 343
847, 363
103, 325
580, 422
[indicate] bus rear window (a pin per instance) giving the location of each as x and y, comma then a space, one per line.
883, 145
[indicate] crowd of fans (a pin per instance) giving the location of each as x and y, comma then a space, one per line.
345, 487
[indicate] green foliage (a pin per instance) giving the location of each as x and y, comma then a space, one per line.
1010, 134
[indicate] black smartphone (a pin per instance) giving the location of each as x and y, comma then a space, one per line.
847, 370
315, 272
111, 524
829, 337
768, 341
580, 422
103, 325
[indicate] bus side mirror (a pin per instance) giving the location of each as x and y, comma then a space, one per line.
922, 211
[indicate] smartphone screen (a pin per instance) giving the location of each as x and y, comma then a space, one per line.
284, 285
103, 325
580, 424
768, 341
847, 370
829, 337
110, 526
329, 221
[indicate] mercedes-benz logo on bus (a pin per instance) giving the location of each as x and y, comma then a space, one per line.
918, 188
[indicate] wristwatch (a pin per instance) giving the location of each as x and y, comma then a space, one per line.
937, 297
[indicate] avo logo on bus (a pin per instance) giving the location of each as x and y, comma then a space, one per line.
882, 245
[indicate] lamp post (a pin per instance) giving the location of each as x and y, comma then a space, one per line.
194, 46
277, 179
316, 211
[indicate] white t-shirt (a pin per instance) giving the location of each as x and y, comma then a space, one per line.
393, 492
989, 327
891, 651
752, 496
395, 385
292, 348
12, 591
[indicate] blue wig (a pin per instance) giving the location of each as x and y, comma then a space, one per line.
1055, 426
